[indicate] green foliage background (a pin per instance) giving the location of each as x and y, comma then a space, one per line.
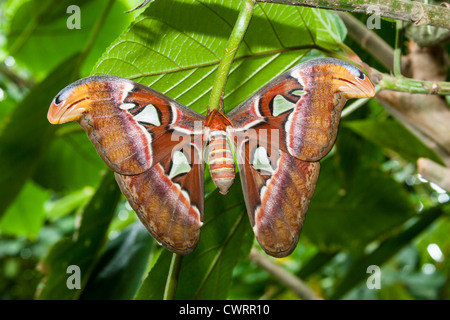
60, 205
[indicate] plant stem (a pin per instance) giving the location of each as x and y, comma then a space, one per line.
403, 84
385, 54
234, 41
398, 49
412, 11
172, 278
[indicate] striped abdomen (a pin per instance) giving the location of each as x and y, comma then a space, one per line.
221, 161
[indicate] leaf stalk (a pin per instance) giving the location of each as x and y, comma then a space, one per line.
236, 37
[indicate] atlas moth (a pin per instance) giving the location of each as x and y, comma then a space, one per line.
158, 147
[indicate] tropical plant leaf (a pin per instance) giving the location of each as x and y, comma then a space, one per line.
27, 132
120, 270
69, 150
57, 208
169, 51
40, 38
226, 237
84, 249
350, 213
26, 215
154, 284
177, 55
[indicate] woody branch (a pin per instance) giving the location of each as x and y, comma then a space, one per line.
412, 11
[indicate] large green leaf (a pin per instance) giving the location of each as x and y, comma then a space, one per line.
70, 163
57, 208
83, 250
206, 273
349, 212
26, 215
26, 133
226, 237
175, 47
155, 282
119, 272
40, 39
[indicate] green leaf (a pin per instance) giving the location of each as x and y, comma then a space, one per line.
26, 133
155, 282
70, 163
119, 272
68, 203
177, 55
329, 27
83, 250
358, 270
226, 237
206, 273
40, 39
394, 136
26, 215
372, 201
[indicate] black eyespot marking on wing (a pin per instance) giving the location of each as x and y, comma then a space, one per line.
361, 76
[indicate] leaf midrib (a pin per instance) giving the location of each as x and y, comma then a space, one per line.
218, 255
216, 62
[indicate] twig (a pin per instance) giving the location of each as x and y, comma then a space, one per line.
385, 54
434, 172
425, 116
409, 85
289, 280
412, 11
